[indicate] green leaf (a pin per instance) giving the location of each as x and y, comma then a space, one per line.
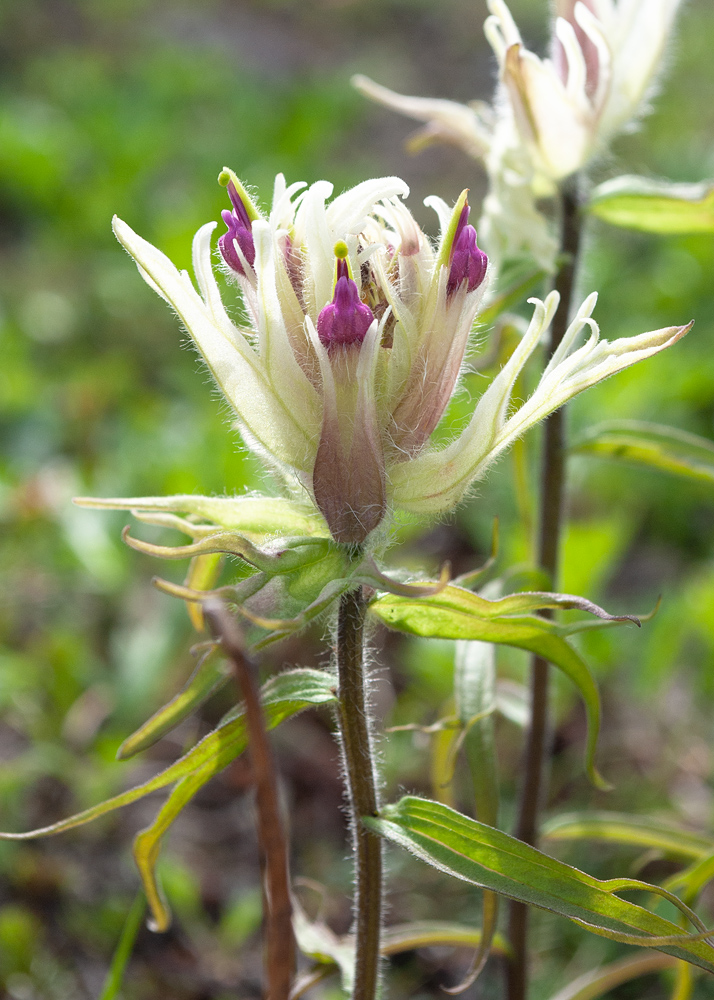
254, 515
621, 828
454, 613
208, 677
693, 879
491, 859
132, 925
147, 843
664, 448
461, 602
655, 206
475, 703
431, 933
282, 696
203, 573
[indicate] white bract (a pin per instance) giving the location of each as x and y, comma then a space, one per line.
356, 335
605, 55
549, 116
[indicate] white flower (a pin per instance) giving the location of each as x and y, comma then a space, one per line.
358, 329
549, 116
357, 339
605, 55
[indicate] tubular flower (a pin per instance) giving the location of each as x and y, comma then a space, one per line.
551, 115
357, 333
604, 58
358, 329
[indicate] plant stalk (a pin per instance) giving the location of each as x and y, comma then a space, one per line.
279, 958
360, 773
548, 541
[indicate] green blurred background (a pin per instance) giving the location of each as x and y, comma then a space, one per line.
132, 107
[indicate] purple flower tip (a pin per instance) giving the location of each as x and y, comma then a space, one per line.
239, 230
468, 263
345, 320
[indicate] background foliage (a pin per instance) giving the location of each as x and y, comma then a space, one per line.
133, 106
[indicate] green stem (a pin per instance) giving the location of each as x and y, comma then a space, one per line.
360, 773
549, 532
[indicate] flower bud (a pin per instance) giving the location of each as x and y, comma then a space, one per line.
345, 320
467, 263
239, 231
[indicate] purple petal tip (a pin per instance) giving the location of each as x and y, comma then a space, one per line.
239, 231
345, 320
468, 262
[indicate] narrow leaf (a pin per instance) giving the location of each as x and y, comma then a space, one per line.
203, 572
459, 614
484, 856
684, 982
431, 933
655, 206
460, 601
147, 843
475, 701
283, 696
120, 959
209, 676
665, 448
444, 749
622, 828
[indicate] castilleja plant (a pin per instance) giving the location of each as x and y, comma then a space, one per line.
356, 336
551, 116
358, 333
605, 56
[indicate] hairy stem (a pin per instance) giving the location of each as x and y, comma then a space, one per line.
353, 711
548, 540
279, 939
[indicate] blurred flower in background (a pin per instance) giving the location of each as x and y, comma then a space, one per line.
549, 116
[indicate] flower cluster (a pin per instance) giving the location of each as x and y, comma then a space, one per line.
550, 116
358, 328
604, 57
358, 333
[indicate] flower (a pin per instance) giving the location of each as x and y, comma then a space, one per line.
604, 58
358, 329
550, 116
357, 337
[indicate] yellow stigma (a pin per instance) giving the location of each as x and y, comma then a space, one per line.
341, 250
